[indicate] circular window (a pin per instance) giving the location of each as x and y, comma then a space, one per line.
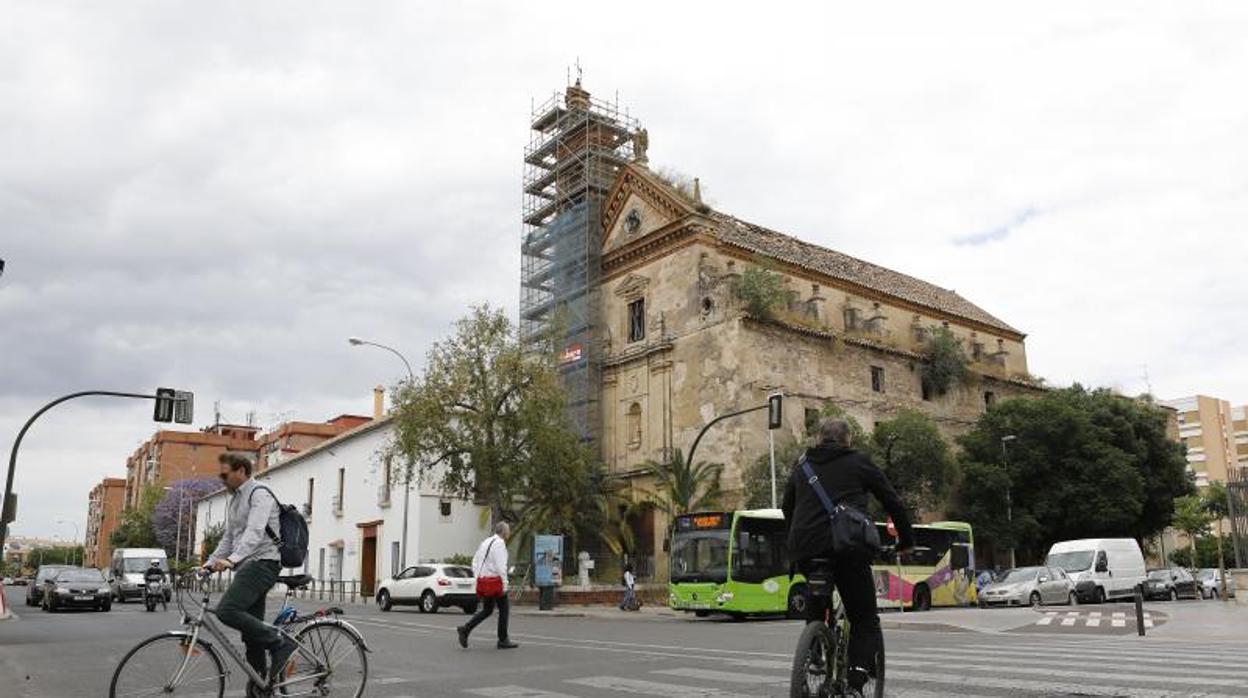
708, 306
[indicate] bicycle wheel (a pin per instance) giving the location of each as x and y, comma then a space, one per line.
811, 676
875, 684
168, 664
340, 667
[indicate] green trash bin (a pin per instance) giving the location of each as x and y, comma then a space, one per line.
545, 598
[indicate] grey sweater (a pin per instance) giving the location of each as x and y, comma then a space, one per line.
246, 516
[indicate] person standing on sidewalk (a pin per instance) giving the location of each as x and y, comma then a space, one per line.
248, 547
489, 561
630, 589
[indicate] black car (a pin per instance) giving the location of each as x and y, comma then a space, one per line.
76, 587
34, 590
1173, 584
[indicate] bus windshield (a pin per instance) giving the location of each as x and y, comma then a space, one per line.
700, 556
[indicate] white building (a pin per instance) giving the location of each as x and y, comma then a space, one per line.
355, 514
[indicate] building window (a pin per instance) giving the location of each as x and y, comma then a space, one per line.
851, 319
307, 506
977, 351
342, 479
634, 425
395, 552
812, 421
926, 390
877, 379
320, 565
637, 320
989, 398
444, 508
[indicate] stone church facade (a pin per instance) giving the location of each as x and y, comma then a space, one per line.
680, 349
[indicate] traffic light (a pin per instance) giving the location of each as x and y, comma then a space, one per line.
775, 407
164, 405
183, 406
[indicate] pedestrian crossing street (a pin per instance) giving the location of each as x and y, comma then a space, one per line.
980, 668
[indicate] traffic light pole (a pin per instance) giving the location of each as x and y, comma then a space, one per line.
8, 484
773, 406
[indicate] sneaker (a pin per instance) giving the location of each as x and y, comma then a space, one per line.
507, 645
462, 632
279, 656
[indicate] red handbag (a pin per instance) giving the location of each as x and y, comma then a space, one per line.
489, 587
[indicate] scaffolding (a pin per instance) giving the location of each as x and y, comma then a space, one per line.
577, 148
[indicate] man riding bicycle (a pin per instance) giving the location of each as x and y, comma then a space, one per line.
848, 476
249, 549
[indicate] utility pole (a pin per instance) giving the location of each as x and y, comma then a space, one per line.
1009, 502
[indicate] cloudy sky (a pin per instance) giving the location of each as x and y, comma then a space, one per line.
215, 195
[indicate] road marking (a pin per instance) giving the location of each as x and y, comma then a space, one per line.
1048, 618
723, 676
1094, 622
1061, 659
1118, 622
1171, 653
391, 681
652, 688
1070, 620
514, 692
1031, 686
1136, 675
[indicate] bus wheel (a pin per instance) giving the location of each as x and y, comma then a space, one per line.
797, 601
922, 598
702, 613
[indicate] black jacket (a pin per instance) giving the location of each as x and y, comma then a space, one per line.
848, 476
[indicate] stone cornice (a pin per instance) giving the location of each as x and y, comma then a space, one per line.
639, 353
633, 179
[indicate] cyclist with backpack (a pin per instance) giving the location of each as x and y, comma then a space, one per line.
250, 547
830, 475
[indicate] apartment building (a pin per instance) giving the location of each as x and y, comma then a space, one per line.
105, 505
1206, 428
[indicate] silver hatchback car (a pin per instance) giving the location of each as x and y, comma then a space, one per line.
1030, 586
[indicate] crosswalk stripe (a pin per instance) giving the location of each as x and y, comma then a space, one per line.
1128, 653
723, 676
1048, 618
1118, 623
1094, 622
514, 692
1136, 675
1064, 659
1070, 620
1083, 689
652, 688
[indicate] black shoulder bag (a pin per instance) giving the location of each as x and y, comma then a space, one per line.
853, 532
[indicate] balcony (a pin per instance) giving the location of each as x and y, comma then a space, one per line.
335, 503
383, 494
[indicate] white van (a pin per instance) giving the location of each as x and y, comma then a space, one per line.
125, 575
1102, 568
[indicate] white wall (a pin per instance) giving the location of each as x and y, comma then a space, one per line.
429, 534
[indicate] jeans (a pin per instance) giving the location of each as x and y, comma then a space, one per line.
856, 583
242, 608
487, 607
629, 597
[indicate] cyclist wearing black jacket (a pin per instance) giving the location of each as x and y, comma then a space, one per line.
848, 476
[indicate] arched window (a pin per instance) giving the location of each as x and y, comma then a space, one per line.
634, 425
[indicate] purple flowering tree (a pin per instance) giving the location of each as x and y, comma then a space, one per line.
165, 515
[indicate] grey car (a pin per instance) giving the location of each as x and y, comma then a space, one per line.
1210, 584
1030, 586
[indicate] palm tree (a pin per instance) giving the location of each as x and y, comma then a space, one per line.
681, 487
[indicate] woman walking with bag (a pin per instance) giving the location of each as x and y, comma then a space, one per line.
489, 565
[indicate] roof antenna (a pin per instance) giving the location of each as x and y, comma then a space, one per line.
578, 71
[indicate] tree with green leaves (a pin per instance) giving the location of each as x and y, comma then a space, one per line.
680, 487
212, 537
136, 529
911, 452
762, 289
1191, 516
487, 417
756, 480
1083, 464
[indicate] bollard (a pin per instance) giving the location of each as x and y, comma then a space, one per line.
1139, 609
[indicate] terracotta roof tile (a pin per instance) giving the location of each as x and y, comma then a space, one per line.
856, 271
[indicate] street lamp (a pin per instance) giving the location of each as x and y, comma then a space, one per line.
75, 525
177, 537
407, 480
1009, 481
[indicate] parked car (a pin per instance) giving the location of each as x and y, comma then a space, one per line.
7, 581
1030, 586
21, 580
34, 591
1210, 581
76, 587
1101, 568
1171, 584
430, 587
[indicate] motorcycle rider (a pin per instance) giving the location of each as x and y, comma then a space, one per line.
153, 574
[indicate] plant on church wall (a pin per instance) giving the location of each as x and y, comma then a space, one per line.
945, 362
762, 290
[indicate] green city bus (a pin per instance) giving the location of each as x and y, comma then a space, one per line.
735, 562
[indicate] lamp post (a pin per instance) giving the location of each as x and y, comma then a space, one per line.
75, 525
1009, 482
177, 536
407, 475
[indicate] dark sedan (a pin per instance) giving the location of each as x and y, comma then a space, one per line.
77, 588
1173, 584
34, 591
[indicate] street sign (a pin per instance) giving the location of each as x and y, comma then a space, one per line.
183, 406
163, 412
775, 406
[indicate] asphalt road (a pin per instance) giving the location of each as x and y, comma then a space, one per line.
656, 654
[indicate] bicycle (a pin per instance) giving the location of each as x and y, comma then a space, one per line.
185, 661
821, 660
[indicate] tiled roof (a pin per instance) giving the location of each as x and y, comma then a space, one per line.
779, 246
